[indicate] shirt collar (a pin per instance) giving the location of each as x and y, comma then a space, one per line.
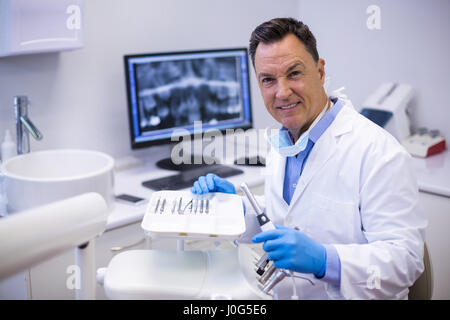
326, 121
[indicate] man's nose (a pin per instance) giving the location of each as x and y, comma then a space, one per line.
283, 90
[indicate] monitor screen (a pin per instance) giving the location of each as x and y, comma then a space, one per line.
175, 90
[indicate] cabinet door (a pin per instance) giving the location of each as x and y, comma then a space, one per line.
437, 210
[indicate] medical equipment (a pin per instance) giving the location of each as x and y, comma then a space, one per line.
40, 233
272, 276
185, 215
388, 107
175, 274
192, 274
424, 143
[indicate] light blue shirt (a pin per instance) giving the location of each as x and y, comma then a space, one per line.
293, 171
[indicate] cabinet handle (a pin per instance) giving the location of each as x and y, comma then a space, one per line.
116, 249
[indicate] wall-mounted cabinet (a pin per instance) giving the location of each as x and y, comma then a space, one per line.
40, 26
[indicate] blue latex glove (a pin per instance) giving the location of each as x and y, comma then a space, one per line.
212, 183
291, 249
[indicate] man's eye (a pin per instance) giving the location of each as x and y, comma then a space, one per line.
295, 74
266, 80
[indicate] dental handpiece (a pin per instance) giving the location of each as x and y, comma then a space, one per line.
265, 225
263, 220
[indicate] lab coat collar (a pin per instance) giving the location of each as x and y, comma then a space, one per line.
323, 150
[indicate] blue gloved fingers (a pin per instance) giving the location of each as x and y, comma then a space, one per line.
285, 263
275, 244
202, 182
276, 255
210, 181
266, 235
223, 185
198, 189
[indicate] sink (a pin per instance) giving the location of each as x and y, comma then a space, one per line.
42, 177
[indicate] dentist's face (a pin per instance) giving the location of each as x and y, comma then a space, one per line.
291, 83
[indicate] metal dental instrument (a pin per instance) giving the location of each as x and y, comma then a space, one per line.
277, 276
265, 225
261, 264
174, 205
162, 206
207, 206
157, 204
263, 220
179, 205
201, 206
267, 274
196, 205
187, 204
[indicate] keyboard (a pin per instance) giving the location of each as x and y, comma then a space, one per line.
185, 179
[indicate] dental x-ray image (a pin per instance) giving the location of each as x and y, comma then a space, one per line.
175, 93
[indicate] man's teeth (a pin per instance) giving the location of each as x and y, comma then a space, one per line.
289, 106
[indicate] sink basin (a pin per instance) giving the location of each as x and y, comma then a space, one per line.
42, 177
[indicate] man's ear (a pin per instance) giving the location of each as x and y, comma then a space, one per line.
321, 70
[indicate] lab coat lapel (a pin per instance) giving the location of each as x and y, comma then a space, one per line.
277, 174
323, 150
319, 156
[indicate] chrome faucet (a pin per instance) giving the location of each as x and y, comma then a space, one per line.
24, 126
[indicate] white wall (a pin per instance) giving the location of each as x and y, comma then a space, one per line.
412, 47
79, 97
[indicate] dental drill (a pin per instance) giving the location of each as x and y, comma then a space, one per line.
271, 276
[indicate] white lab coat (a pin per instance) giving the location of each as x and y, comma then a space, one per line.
357, 192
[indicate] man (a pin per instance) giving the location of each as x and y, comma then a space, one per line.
341, 189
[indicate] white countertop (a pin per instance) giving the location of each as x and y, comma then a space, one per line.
130, 181
433, 173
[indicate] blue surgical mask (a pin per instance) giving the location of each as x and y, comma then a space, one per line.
281, 140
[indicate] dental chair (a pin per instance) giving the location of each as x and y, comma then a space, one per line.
32, 236
174, 274
214, 274
422, 289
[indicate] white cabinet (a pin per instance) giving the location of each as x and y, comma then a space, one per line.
40, 26
436, 209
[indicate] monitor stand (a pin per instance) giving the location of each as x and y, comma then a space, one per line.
167, 164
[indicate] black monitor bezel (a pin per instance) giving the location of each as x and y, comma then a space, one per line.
145, 144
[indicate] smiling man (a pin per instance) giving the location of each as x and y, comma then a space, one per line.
340, 189
291, 82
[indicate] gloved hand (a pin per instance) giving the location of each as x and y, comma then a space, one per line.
212, 183
293, 250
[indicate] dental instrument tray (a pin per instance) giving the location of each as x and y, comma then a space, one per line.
181, 214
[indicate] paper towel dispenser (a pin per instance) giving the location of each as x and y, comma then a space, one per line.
40, 26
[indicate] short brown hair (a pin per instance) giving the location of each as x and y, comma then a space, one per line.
276, 29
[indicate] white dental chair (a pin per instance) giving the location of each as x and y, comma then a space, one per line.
32, 236
170, 274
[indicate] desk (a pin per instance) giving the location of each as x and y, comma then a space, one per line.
130, 181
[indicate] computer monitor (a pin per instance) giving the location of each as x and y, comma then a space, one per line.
172, 90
